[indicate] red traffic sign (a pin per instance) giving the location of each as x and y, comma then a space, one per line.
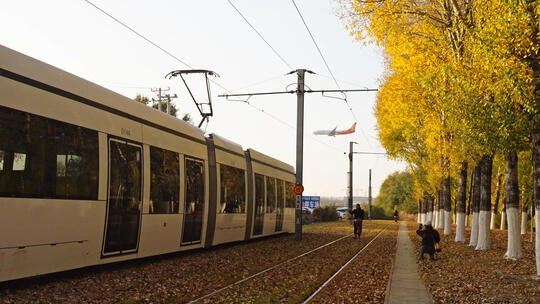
298, 189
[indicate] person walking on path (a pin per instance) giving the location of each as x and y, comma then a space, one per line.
430, 240
358, 215
396, 216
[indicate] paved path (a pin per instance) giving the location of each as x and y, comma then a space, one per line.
405, 284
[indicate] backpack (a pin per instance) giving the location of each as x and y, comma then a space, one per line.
428, 237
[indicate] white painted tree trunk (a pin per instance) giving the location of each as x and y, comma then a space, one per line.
513, 249
435, 219
493, 221
419, 218
503, 220
440, 219
483, 230
460, 227
447, 222
474, 229
523, 222
428, 218
537, 244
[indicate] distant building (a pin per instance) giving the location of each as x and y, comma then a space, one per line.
341, 201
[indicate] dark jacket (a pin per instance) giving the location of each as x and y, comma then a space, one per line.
429, 236
357, 213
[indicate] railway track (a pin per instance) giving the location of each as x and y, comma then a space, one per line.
218, 291
323, 285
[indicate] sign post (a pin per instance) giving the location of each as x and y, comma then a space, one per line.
299, 151
298, 189
312, 202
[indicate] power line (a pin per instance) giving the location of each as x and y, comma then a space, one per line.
260, 82
289, 125
259, 34
189, 66
318, 49
148, 40
137, 33
329, 69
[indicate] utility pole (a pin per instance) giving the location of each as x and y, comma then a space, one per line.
300, 92
299, 150
369, 195
158, 91
351, 152
169, 97
350, 205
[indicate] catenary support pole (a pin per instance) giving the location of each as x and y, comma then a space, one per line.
350, 201
369, 195
299, 148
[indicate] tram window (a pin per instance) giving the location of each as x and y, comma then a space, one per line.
19, 161
46, 158
280, 197
270, 194
164, 181
194, 187
77, 150
233, 190
289, 195
259, 193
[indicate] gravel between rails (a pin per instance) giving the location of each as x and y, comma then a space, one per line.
293, 283
364, 280
169, 278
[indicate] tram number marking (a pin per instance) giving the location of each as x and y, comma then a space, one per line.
126, 132
298, 201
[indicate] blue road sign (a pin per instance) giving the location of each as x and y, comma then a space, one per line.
311, 201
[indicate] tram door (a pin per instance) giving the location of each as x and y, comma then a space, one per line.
194, 202
125, 198
280, 205
259, 204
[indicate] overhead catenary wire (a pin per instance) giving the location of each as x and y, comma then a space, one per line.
260, 36
329, 69
148, 40
289, 125
189, 66
138, 34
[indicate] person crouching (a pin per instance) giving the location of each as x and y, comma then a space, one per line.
430, 240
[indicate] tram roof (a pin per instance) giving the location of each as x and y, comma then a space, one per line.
47, 74
270, 160
227, 144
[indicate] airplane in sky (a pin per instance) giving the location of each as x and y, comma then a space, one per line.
335, 132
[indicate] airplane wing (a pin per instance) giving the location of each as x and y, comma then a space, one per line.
333, 132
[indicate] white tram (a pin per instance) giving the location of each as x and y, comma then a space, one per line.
88, 177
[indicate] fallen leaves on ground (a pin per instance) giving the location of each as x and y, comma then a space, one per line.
294, 282
183, 276
464, 275
365, 279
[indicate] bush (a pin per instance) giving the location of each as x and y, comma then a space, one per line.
325, 214
379, 213
307, 219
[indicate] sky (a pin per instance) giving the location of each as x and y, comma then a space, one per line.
78, 38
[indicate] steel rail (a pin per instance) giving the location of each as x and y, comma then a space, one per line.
342, 267
266, 270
